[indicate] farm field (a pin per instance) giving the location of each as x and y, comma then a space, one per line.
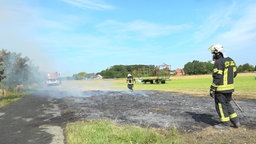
245, 85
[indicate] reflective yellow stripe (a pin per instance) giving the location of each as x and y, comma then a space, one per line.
214, 85
229, 63
225, 87
234, 69
225, 77
217, 71
234, 115
222, 116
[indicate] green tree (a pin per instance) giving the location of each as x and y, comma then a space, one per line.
79, 76
135, 73
246, 68
121, 71
189, 68
240, 69
197, 67
2, 76
208, 66
17, 70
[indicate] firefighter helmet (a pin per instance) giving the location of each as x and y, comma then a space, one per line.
216, 48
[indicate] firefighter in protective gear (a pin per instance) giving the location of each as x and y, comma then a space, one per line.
222, 87
130, 82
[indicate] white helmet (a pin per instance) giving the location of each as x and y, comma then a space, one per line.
129, 75
216, 48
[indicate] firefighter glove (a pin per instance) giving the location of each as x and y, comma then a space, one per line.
212, 91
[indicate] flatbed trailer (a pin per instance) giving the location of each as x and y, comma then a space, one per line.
153, 80
157, 75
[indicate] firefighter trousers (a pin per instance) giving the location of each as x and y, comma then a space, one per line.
224, 107
130, 86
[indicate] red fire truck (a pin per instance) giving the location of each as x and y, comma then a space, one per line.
53, 78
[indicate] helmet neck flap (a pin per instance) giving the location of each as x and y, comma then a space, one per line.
216, 56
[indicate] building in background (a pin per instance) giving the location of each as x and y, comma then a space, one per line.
179, 72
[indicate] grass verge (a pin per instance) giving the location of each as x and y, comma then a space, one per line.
108, 132
105, 131
9, 98
213, 136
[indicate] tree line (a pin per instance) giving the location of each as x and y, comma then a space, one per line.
121, 71
190, 68
246, 68
16, 70
197, 67
82, 76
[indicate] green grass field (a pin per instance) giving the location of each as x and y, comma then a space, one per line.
245, 85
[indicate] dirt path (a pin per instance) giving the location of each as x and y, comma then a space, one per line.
34, 119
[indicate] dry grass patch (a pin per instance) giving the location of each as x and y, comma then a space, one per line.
214, 136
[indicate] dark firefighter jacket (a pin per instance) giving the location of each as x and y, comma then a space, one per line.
130, 80
223, 75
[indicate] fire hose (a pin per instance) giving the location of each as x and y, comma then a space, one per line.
233, 99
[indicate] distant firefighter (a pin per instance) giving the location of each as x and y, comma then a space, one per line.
130, 81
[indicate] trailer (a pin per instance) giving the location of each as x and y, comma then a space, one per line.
153, 80
157, 75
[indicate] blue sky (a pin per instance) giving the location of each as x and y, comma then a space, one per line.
74, 36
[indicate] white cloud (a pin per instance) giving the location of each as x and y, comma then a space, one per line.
18, 26
139, 29
242, 33
234, 27
219, 19
90, 4
239, 40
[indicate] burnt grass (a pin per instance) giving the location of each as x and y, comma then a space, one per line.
149, 109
